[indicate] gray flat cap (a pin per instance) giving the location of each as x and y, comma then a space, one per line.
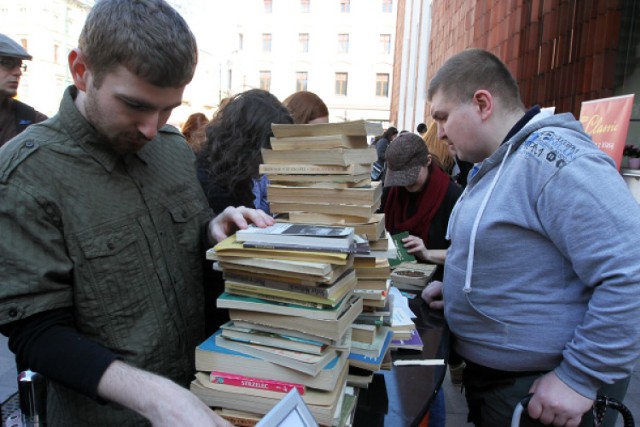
10, 48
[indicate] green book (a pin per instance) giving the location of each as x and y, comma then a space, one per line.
401, 253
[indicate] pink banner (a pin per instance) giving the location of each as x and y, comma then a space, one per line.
607, 121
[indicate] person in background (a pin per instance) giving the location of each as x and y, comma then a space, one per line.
193, 130
420, 200
15, 116
438, 149
306, 108
421, 129
541, 288
381, 143
228, 168
229, 161
103, 294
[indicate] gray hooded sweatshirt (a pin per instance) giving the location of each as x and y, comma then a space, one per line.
543, 272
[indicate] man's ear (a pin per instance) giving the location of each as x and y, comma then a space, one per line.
484, 103
78, 68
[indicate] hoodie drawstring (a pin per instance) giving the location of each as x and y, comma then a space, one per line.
474, 230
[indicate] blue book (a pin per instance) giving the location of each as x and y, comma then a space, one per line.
368, 362
212, 357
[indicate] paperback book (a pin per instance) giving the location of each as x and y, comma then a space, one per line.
318, 236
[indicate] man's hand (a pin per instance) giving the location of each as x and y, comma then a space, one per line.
158, 399
555, 403
432, 295
232, 219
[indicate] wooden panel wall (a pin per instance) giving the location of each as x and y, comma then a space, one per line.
561, 52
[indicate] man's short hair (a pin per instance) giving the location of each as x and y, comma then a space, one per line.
474, 69
148, 37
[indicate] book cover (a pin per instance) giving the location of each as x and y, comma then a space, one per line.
253, 382
376, 347
401, 254
607, 121
321, 236
413, 343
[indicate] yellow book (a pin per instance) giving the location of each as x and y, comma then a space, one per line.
231, 247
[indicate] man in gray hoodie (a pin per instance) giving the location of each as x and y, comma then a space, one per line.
542, 279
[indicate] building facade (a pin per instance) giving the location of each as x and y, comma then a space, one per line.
562, 52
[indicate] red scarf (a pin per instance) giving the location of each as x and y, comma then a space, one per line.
428, 203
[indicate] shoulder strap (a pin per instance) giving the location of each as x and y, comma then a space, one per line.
25, 115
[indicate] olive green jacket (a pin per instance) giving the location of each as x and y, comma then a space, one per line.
116, 238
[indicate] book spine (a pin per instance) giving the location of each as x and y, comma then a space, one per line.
258, 383
304, 169
313, 290
304, 248
265, 292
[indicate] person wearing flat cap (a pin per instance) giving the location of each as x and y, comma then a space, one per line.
419, 200
15, 116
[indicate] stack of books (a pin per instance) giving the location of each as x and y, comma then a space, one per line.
320, 174
289, 290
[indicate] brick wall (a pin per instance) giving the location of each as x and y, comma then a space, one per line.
562, 52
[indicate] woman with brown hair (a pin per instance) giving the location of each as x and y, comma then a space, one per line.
307, 108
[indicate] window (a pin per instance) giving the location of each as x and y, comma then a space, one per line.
387, 6
265, 80
385, 43
343, 43
341, 84
305, 6
268, 6
303, 42
266, 42
301, 81
25, 44
382, 84
240, 41
345, 6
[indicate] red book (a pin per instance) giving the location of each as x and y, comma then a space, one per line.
250, 382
